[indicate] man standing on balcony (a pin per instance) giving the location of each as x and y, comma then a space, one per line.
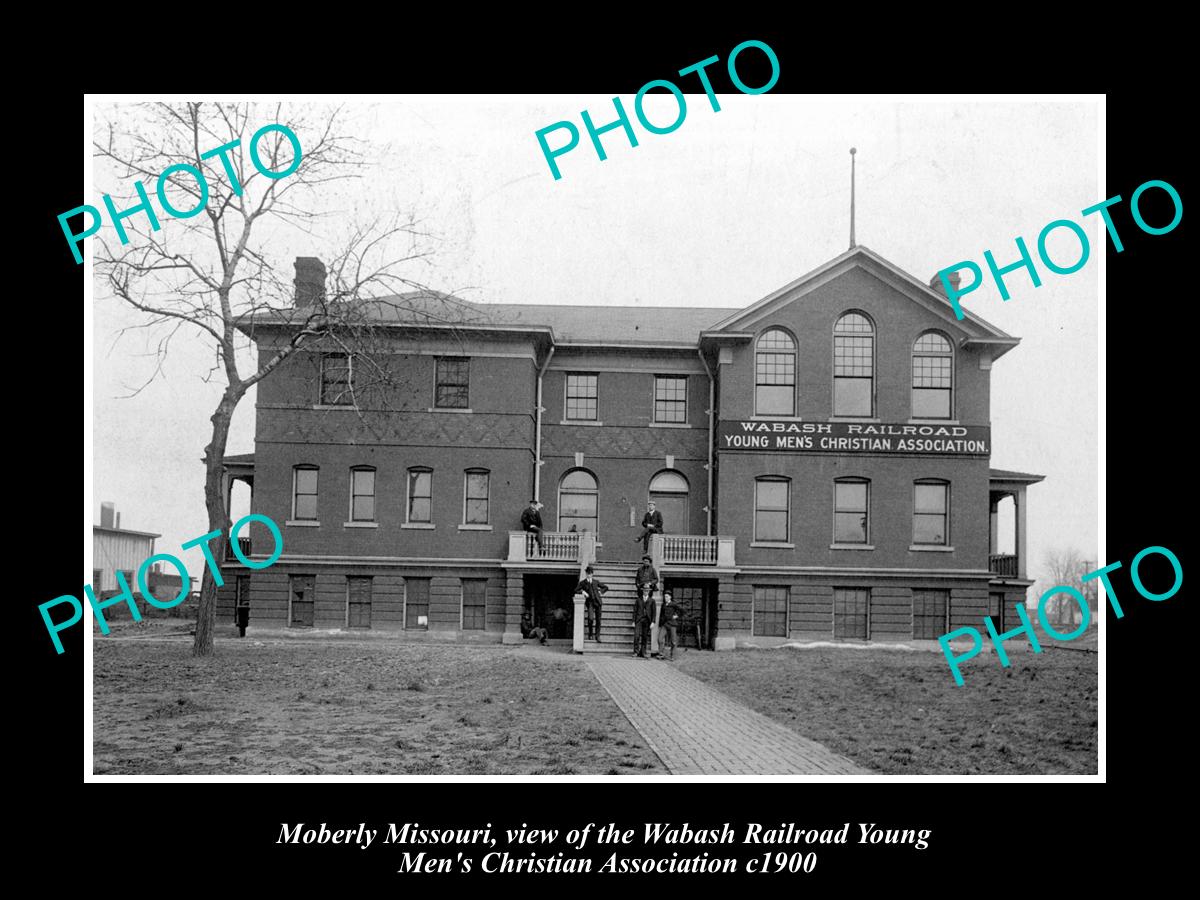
531, 520
593, 592
652, 523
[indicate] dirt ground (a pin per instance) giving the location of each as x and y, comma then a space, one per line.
346, 706
900, 712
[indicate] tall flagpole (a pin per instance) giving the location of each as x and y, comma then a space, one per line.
852, 151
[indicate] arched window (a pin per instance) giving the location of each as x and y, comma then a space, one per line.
669, 491
420, 495
931, 512
578, 501
304, 493
775, 374
771, 495
932, 377
362, 494
851, 511
853, 366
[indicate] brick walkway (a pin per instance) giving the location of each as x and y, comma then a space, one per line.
698, 731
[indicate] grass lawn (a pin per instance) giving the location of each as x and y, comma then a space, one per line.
345, 706
900, 712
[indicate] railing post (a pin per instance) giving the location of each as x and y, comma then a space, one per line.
577, 642
516, 546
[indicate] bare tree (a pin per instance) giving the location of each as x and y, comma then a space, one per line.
218, 273
1066, 566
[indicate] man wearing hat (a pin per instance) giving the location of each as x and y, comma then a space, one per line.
531, 520
669, 615
652, 523
593, 592
643, 610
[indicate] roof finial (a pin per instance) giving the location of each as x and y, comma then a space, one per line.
852, 152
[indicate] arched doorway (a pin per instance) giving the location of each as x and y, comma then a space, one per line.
578, 502
669, 491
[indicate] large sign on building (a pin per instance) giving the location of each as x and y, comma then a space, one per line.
854, 437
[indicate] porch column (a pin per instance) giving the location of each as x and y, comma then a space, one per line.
514, 606
994, 535
1019, 502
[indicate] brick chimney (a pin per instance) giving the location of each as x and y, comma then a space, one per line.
936, 283
106, 514
310, 280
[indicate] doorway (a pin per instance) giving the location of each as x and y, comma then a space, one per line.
698, 600
669, 491
549, 601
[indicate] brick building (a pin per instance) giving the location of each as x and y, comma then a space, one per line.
821, 458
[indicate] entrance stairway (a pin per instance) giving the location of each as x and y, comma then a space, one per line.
616, 618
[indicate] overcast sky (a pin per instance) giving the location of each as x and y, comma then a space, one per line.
721, 212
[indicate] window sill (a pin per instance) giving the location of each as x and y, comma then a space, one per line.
448, 409
427, 526
670, 425
580, 422
851, 546
773, 545
776, 419
862, 419
474, 527
360, 524
933, 421
303, 523
929, 548
347, 406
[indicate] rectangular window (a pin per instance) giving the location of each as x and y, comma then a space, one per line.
358, 601
476, 497
774, 382
362, 495
582, 401
303, 590
420, 495
453, 376
474, 603
853, 374
850, 606
416, 602
670, 398
930, 519
931, 610
304, 494
771, 510
850, 512
770, 611
337, 379
932, 378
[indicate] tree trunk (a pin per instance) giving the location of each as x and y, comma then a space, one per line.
218, 520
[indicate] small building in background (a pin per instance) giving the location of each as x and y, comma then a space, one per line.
116, 549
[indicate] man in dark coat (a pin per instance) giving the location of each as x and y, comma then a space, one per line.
669, 617
531, 520
652, 523
643, 614
593, 592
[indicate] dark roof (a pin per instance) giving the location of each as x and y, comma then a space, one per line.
572, 324
1006, 475
239, 458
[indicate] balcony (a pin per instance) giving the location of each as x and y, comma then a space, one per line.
557, 546
1003, 564
243, 545
694, 550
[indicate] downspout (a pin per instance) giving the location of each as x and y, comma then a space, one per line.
711, 403
537, 440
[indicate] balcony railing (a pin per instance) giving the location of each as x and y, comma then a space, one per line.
1004, 564
689, 550
243, 545
557, 546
